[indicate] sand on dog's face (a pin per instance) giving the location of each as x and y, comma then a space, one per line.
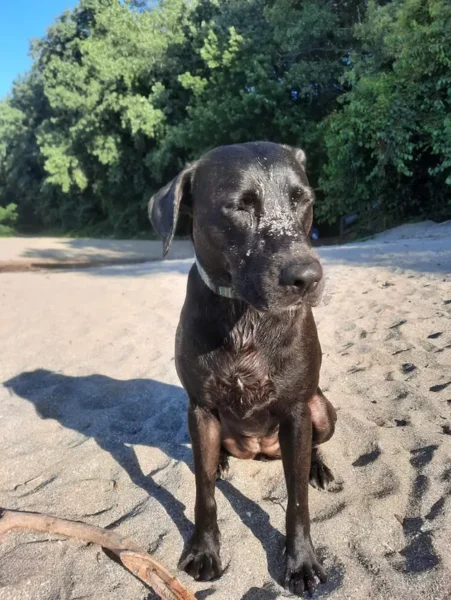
93, 427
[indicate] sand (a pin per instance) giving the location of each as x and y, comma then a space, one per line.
33, 254
93, 427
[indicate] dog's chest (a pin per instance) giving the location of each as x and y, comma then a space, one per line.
241, 380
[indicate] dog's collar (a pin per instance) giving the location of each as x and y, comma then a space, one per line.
225, 292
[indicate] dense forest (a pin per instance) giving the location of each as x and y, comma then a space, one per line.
121, 94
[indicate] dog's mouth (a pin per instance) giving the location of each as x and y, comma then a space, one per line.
313, 296
276, 298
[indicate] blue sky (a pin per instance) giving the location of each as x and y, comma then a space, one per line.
21, 20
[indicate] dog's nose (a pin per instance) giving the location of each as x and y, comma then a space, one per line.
303, 277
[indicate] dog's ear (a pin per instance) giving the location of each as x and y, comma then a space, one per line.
298, 154
165, 205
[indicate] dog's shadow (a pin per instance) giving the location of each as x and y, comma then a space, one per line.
119, 414
115, 414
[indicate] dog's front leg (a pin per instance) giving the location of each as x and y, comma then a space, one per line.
295, 437
200, 559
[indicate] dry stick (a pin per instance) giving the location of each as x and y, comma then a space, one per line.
133, 557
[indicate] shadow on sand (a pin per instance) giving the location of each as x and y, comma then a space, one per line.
118, 414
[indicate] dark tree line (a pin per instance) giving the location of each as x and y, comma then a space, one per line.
122, 94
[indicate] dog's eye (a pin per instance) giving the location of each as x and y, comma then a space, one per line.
300, 195
247, 201
296, 195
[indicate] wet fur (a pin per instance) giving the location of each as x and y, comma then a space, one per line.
251, 365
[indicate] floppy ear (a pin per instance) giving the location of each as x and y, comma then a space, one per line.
165, 205
298, 154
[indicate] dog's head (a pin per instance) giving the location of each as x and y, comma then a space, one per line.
252, 211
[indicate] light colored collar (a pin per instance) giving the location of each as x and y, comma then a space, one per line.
225, 292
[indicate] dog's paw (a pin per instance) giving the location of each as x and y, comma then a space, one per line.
223, 467
200, 559
321, 477
302, 571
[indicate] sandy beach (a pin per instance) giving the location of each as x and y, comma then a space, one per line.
93, 427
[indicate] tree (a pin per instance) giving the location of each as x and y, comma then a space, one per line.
390, 145
122, 94
21, 164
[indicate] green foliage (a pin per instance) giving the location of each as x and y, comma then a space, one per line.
122, 93
8, 214
389, 148
8, 217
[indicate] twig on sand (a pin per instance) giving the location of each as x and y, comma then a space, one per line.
131, 555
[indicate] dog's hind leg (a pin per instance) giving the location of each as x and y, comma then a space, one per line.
321, 477
324, 418
323, 427
223, 466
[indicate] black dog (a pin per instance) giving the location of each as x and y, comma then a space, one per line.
247, 350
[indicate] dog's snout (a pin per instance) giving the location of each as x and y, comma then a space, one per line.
302, 277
